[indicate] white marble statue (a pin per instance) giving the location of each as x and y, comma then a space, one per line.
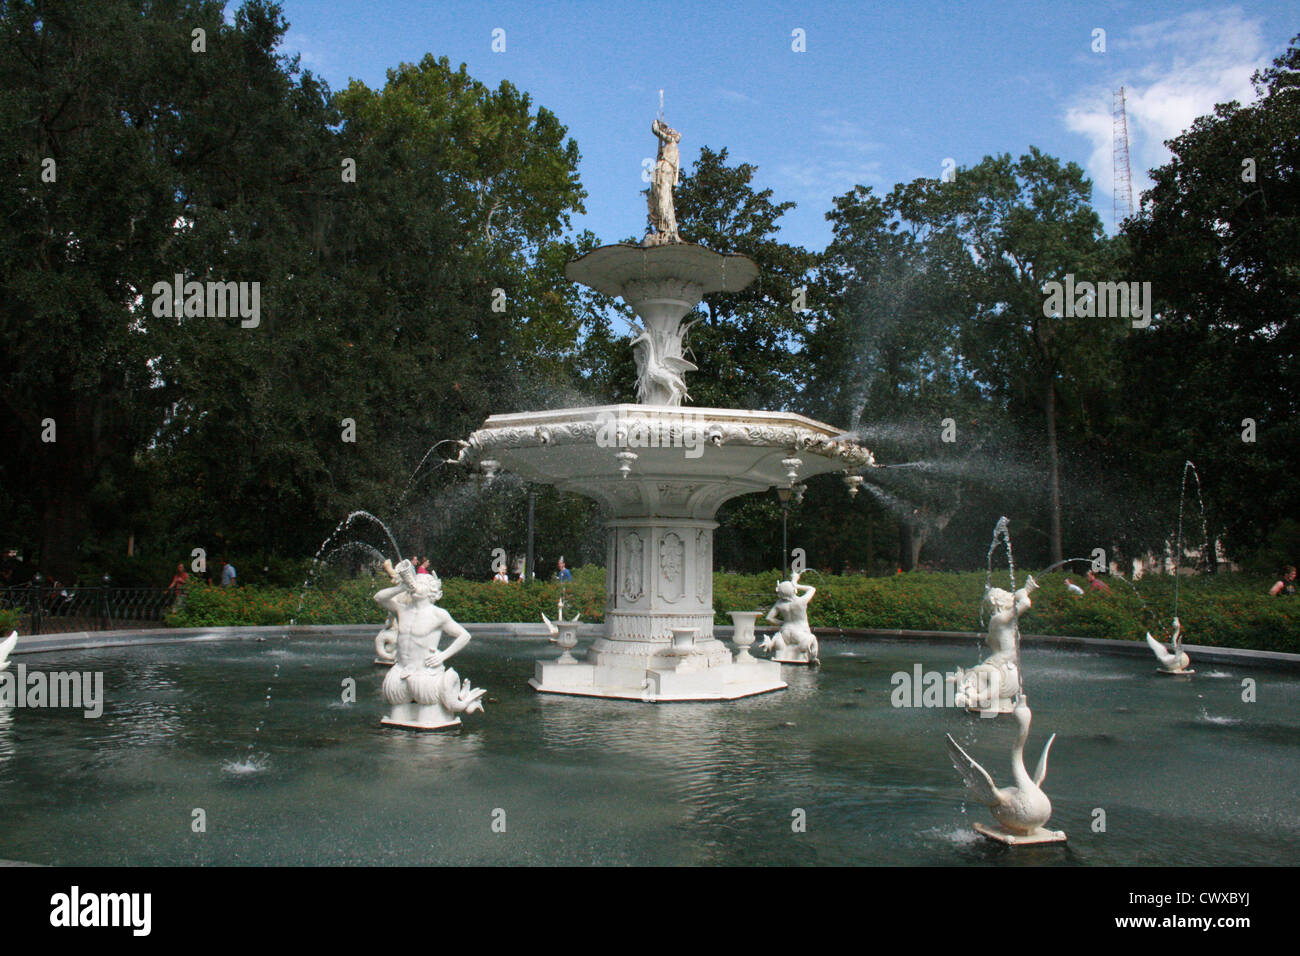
386, 643
424, 693
1173, 661
660, 366
667, 174
386, 639
991, 686
795, 642
6, 648
564, 633
1021, 810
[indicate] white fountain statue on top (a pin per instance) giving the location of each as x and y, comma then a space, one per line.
423, 692
661, 363
990, 687
667, 174
795, 642
1022, 810
1173, 661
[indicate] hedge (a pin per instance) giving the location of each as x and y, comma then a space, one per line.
1230, 610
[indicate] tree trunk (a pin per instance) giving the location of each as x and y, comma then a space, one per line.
67, 474
64, 521
909, 544
1054, 473
871, 545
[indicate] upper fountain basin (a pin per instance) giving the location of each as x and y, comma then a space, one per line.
625, 270
658, 460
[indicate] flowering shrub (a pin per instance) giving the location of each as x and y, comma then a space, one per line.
1224, 610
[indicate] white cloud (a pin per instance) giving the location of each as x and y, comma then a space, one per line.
1185, 66
734, 96
843, 150
300, 44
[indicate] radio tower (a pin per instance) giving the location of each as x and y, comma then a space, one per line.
1123, 176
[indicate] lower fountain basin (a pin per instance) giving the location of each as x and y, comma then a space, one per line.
1186, 772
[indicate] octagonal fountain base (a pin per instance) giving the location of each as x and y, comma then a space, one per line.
669, 681
660, 474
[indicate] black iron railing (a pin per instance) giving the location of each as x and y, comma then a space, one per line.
52, 610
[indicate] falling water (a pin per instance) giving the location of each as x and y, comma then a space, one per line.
885, 498
347, 547
1002, 531
252, 762
316, 560
1148, 615
1052, 567
401, 499
1205, 534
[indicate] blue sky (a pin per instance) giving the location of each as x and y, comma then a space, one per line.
885, 92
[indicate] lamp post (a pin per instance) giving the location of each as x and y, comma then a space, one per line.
785, 494
529, 570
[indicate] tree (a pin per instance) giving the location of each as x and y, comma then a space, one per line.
104, 123
1214, 378
1020, 225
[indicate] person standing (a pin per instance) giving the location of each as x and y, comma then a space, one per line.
562, 573
228, 574
1097, 584
1286, 584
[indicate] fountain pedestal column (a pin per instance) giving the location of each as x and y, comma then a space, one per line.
659, 580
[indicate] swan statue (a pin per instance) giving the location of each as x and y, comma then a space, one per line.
1020, 810
1072, 587
6, 648
1174, 662
659, 371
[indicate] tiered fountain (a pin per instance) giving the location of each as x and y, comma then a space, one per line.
660, 472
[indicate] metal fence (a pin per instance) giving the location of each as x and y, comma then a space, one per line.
47, 610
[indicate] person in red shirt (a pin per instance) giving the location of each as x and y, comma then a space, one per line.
180, 579
1097, 584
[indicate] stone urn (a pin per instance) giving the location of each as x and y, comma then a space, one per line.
567, 638
743, 635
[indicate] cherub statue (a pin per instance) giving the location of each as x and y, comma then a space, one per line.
667, 174
424, 693
991, 686
795, 642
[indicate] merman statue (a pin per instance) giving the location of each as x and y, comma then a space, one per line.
795, 642
991, 686
424, 693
